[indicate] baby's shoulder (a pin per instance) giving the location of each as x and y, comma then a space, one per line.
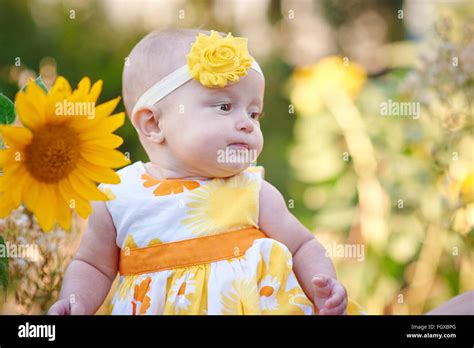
270, 198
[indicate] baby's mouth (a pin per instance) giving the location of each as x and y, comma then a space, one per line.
240, 145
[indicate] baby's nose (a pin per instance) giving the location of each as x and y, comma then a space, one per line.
245, 124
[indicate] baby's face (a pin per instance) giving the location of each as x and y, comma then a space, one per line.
215, 132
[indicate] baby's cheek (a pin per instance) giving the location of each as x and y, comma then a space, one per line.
259, 141
199, 148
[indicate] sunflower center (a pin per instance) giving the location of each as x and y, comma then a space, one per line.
52, 153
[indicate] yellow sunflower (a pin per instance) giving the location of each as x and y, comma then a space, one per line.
241, 298
223, 204
52, 162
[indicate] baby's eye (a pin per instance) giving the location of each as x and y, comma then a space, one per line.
224, 107
256, 115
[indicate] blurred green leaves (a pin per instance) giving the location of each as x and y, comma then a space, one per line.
7, 110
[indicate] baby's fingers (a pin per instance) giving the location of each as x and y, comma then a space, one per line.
59, 308
77, 308
322, 286
338, 310
336, 299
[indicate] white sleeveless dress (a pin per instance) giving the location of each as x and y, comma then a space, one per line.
147, 211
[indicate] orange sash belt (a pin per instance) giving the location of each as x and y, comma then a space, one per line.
188, 252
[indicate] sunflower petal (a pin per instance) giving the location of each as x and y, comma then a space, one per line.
16, 136
44, 211
60, 92
98, 173
111, 123
92, 128
82, 206
6, 205
3, 185
61, 87
105, 109
36, 93
109, 141
82, 91
11, 164
105, 126
7, 158
63, 213
22, 181
65, 220
86, 188
3, 158
30, 105
106, 158
31, 196
84, 85
95, 92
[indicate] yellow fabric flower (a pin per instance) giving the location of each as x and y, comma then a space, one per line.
214, 60
52, 162
206, 216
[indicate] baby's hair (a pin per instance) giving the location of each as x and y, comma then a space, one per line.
155, 56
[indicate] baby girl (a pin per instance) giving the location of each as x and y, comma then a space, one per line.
197, 230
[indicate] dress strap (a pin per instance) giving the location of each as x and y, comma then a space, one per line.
188, 252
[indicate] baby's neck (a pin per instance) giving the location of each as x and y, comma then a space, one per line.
161, 173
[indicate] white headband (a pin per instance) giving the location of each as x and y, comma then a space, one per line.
168, 84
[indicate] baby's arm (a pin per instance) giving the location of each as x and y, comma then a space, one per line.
93, 269
314, 270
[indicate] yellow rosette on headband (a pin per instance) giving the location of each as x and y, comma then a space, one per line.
215, 60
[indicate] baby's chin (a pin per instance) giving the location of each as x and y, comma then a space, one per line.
224, 170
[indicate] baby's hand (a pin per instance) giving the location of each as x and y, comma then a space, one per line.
65, 307
330, 295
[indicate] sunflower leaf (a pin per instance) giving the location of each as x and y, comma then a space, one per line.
7, 110
3, 266
39, 82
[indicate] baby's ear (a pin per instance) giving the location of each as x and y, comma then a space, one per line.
147, 122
